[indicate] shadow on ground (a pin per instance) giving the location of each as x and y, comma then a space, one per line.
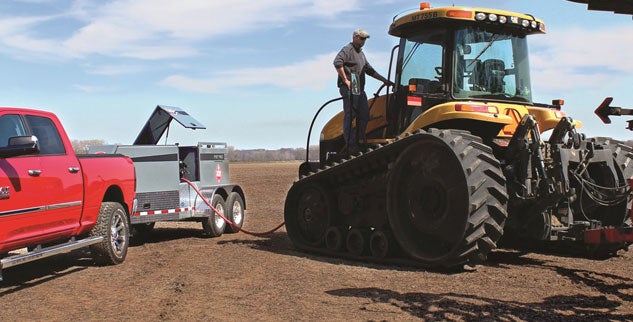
460, 307
38, 272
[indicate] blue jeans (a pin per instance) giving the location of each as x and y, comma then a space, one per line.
360, 112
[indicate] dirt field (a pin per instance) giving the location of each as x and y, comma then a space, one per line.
178, 275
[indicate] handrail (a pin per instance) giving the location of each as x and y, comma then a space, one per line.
312, 125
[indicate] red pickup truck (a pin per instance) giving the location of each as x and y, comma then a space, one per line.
54, 201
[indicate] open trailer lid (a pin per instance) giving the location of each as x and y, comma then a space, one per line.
159, 122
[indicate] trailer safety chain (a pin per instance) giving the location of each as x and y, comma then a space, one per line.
236, 227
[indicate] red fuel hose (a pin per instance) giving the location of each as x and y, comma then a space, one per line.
257, 234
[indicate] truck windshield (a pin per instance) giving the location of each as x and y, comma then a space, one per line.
491, 66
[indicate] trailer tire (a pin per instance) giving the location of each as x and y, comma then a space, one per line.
234, 212
112, 224
214, 225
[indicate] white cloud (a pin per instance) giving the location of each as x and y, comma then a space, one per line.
581, 58
151, 29
311, 74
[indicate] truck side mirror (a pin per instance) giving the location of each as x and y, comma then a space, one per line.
20, 145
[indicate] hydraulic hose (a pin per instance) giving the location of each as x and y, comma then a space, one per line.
236, 227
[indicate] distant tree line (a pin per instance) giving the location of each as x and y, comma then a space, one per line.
81, 146
262, 155
253, 155
235, 155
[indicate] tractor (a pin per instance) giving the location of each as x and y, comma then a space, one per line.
459, 157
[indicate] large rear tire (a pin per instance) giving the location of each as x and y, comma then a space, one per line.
446, 199
112, 224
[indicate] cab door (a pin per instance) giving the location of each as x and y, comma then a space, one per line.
19, 183
60, 177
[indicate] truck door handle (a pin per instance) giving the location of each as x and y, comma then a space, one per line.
73, 169
35, 173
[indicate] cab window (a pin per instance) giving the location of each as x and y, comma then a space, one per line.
10, 126
44, 129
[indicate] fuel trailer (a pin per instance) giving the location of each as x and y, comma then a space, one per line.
180, 183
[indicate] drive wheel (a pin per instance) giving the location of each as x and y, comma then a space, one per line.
234, 212
112, 224
446, 199
214, 225
307, 214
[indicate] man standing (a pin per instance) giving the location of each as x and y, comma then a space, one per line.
352, 65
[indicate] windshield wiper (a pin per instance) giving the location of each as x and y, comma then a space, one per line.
492, 40
410, 55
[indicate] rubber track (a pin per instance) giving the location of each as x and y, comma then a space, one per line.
488, 202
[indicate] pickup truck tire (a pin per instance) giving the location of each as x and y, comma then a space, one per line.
214, 225
113, 225
234, 212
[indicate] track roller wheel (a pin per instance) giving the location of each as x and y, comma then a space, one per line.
307, 214
334, 238
381, 244
356, 241
446, 198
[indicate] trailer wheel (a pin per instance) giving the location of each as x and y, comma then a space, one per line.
234, 212
112, 224
214, 225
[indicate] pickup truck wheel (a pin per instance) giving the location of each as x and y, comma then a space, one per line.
214, 225
113, 226
234, 212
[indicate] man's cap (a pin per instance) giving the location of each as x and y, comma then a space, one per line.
361, 33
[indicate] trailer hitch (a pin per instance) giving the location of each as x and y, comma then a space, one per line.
525, 151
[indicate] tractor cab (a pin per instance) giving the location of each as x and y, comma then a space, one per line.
457, 55
455, 68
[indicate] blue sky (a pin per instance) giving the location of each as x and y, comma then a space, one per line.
255, 72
